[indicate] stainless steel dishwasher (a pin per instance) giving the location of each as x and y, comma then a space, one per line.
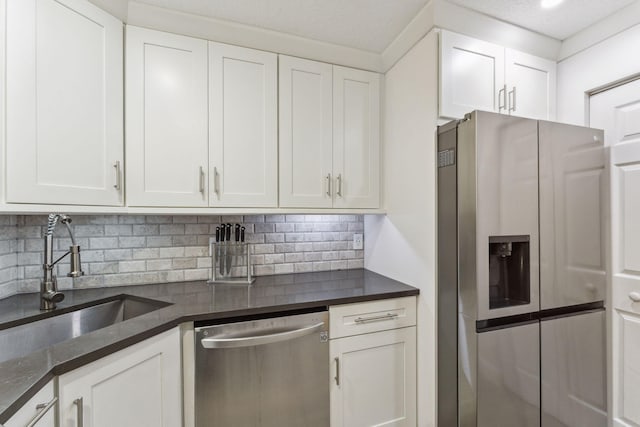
263, 373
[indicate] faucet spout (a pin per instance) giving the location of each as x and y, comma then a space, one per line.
49, 294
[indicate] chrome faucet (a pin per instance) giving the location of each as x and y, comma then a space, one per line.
49, 294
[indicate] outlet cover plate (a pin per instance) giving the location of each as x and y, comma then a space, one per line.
358, 241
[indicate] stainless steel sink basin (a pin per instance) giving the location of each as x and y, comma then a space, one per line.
21, 340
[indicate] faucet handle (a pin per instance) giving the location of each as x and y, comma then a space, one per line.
75, 264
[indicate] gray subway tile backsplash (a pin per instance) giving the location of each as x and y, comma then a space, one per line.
136, 249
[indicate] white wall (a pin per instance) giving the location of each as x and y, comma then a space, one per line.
602, 64
401, 245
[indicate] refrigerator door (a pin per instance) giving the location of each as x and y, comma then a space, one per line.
509, 377
573, 370
506, 199
573, 215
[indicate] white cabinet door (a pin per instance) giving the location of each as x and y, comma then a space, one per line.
41, 405
306, 133
356, 138
243, 122
137, 386
64, 103
531, 85
617, 111
374, 379
167, 134
471, 75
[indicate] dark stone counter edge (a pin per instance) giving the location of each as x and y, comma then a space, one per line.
235, 315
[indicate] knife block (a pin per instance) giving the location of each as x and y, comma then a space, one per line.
231, 263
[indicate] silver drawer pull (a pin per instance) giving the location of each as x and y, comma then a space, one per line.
79, 412
634, 296
43, 408
260, 339
388, 316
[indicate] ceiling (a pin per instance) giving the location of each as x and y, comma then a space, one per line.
371, 25
560, 22
362, 24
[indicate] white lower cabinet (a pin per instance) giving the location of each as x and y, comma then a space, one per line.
373, 373
374, 379
137, 386
39, 411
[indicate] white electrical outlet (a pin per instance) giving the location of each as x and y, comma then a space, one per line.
357, 241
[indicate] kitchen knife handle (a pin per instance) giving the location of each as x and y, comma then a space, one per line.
228, 232
201, 180
339, 190
217, 234
216, 183
236, 232
328, 178
222, 233
242, 234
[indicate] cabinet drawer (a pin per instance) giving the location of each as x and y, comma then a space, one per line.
362, 318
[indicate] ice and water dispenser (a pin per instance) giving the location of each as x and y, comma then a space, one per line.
509, 278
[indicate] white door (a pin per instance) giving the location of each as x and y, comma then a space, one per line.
617, 111
356, 138
137, 386
374, 379
471, 76
64, 103
531, 85
243, 101
167, 144
306, 133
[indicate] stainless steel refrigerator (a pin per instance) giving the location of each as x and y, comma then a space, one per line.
522, 273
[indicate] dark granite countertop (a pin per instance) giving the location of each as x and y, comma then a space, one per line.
21, 378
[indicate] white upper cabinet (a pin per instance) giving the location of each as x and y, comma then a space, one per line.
356, 138
471, 75
306, 133
166, 132
531, 85
329, 135
243, 108
478, 75
64, 102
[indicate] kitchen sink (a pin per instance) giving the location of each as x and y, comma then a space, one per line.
21, 340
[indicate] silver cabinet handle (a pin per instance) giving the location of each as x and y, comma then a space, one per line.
502, 98
216, 185
260, 339
201, 179
388, 316
337, 377
118, 184
79, 412
512, 106
42, 408
634, 296
339, 191
328, 178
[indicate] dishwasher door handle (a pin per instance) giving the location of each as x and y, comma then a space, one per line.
260, 339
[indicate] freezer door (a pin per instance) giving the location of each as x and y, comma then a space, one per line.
573, 363
506, 212
573, 215
509, 377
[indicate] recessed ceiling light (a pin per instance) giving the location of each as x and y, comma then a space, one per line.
548, 4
